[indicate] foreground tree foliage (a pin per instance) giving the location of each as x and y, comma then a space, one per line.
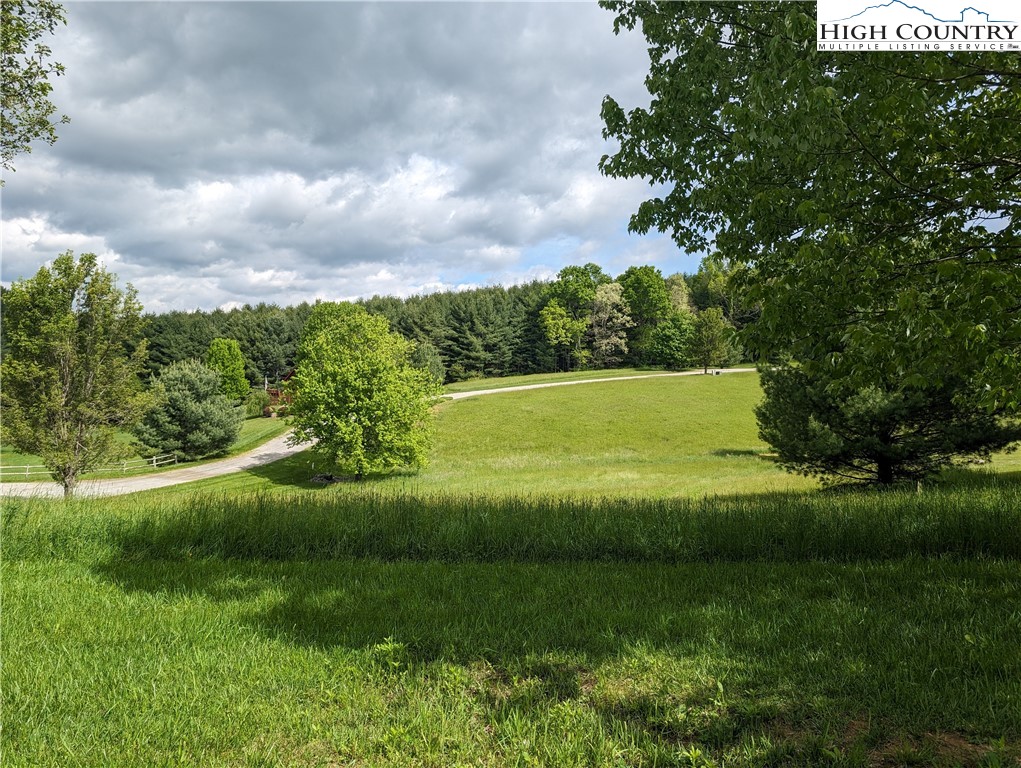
25, 69
357, 394
869, 203
69, 379
875, 434
191, 417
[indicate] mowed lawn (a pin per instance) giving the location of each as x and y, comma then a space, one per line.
655, 437
553, 590
472, 385
687, 436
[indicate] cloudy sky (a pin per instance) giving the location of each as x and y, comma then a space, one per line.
232, 152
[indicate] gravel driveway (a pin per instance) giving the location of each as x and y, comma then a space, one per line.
268, 452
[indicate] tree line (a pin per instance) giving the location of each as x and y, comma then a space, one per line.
583, 319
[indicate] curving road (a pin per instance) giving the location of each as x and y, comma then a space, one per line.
268, 452
459, 395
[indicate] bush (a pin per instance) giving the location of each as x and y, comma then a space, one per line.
256, 403
272, 411
192, 417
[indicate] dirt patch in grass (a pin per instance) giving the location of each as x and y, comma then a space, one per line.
944, 750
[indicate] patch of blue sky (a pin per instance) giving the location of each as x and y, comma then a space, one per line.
614, 254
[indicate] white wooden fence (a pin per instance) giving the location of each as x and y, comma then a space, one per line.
27, 470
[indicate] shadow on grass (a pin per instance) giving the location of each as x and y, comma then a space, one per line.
977, 518
297, 471
689, 654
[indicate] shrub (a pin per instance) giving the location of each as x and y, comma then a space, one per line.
256, 403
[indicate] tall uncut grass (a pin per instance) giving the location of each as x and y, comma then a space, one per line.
303, 525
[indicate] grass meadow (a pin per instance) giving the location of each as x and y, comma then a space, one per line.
563, 586
650, 438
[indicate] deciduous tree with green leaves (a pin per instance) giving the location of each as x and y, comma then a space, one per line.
872, 202
673, 341
224, 356
25, 68
564, 333
710, 339
71, 366
575, 288
608, 325
680, 294
357, 395
648, 301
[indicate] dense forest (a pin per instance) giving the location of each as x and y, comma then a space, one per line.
583, 319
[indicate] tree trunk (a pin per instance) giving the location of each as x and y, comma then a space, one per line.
69, 481
884, 470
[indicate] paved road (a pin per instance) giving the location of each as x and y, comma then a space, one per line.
271, 451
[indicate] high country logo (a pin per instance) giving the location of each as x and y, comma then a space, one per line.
941, 25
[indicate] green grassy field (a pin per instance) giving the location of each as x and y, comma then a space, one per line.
562, 587
651, 438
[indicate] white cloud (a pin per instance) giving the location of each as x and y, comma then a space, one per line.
382, 148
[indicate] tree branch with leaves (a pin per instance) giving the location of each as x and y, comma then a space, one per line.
26, 112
